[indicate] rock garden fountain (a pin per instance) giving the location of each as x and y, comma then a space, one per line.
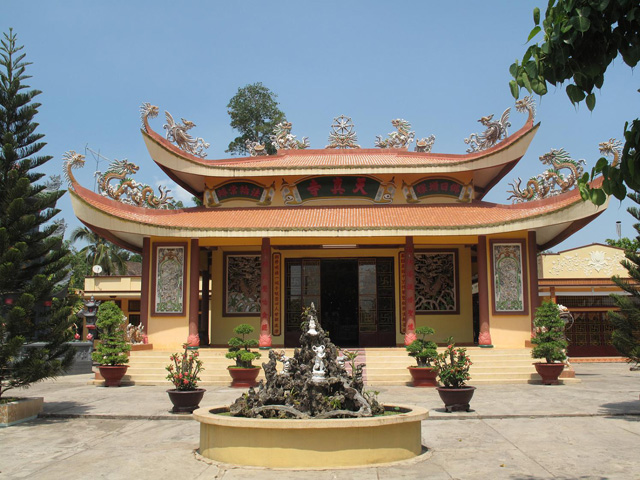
313, 412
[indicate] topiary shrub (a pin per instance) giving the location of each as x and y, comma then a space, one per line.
424, 351
113, 346
549, 340
239, 347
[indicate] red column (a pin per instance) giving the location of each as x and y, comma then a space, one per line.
265, 294
194, 279
144, 287
484, 339
409, 292
534, 295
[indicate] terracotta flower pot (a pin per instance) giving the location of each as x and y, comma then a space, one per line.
112, 374
243, 377
456, 399
549, 372
424, 376
185, 401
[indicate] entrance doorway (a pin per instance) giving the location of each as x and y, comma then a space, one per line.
354, 299
339, 300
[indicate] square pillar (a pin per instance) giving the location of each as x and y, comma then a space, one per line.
409, 291
484, 338
265, 294
194, 277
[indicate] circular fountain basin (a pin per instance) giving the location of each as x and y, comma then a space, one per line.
299, 443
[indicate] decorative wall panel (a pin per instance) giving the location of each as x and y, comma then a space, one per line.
437, 282
276, 305
509, 277
242, 285
169, 273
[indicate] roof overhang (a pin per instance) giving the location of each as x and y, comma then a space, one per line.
553, 219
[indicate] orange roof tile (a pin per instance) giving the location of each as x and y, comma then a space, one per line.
343, 217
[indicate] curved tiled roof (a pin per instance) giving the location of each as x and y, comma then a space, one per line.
328, 158
430, 219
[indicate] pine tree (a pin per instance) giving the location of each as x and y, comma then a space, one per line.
626, 322
33, 261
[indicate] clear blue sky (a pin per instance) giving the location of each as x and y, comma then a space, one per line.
440, 65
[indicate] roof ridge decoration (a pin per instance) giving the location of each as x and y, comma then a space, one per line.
401, 138
147, 111
255, 149
283, 140
613, 148
127, 190
425, 144
342, 133
177, 134
497, 130
544, 185
71, 160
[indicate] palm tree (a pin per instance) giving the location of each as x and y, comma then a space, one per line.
99, 251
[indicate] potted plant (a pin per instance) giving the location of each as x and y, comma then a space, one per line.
549, 343
243, 373
425, 352
111, 353
453, 370
183, 373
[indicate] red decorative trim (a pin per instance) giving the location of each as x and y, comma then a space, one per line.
403, 320
276, 324
484, 337
194, 294
144, 283
154, 279
525, 276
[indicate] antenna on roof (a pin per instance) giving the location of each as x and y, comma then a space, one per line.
98, 158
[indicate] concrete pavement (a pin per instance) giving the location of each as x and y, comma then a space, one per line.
584, 430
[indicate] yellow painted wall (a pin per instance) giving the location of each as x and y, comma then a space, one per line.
169, 332
509, 331
459, 326
590, 261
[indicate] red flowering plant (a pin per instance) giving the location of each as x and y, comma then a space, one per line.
184, 370
453, 366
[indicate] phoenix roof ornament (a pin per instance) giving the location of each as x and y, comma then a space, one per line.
399, 139
177, 134
283, 140
342, 133
496, 131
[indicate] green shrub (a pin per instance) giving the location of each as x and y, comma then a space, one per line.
239, 347
424, 351
549, 340
113, 347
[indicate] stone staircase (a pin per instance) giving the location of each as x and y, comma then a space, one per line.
385, 366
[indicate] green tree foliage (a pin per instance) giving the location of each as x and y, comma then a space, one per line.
99, 251
113, 347
254, 113
626, 322
33, 259
423, 350
630, 245
549, 340
581, 39
239, 347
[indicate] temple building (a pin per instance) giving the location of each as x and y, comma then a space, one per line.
382, 240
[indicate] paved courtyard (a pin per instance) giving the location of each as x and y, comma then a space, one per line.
589, 430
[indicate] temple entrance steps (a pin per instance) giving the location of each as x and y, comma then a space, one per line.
385, 366
388, 366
